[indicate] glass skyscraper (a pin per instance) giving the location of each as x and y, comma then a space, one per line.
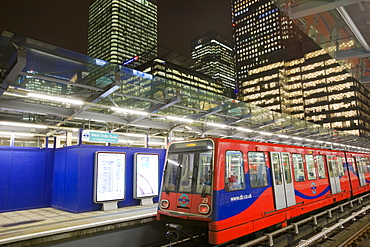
281, 68
213, 55
120, 30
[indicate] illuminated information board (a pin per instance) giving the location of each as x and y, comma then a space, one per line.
146, 175
109, 176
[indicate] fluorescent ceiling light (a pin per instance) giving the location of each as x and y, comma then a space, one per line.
130, 111
244, 129
180, 119
217, 125
265, 133
57, 99
16, 124
283, 136
15, 95
309, 140
297, 138
15, 134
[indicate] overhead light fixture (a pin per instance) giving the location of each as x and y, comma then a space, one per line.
283, 136
309, 140
297, 138
15, 95
57, 99
180, 119
244, 129
28, 125
265, 133
15, 134
130, 111
217, 125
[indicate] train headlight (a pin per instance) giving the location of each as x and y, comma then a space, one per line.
165, 204
203, 209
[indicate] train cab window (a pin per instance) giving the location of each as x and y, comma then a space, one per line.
187, 172
171, 170
234, 171
257, 169
320, 166
310, 166
298, 167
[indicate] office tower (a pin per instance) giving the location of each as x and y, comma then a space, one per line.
281, 68
120, 30
213, 55
179, 75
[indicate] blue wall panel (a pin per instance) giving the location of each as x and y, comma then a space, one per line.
28, 178
59, 178
77, 184
62, 178
5, 164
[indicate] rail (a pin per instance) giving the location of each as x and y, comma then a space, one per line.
295, 226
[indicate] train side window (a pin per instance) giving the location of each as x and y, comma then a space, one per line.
321, 166
234, 171
340, 166
367, 164
298, 167
359, 161
286, 165
257, 169
310, 165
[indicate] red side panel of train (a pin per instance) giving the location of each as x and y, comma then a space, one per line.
239, 187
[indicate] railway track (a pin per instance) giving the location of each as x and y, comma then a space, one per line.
345, 225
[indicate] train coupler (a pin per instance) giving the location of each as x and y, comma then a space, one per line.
174, 232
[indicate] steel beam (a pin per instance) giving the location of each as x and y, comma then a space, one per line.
313, 7
14, 70
351, 54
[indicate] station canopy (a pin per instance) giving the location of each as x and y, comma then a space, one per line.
341, 27
48, 91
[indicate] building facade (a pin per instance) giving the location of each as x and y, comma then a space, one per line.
281, 68
120, 30
213, 55
182, 76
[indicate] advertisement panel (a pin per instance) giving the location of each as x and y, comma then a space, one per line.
146, 175
109, 176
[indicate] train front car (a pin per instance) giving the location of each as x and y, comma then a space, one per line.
186, 195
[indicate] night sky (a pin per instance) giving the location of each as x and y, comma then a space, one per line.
64, 23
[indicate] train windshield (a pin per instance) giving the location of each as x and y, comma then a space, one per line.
189, 168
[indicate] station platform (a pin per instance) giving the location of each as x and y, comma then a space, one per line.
38, 227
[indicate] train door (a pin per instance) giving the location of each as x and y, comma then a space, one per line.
334, 173
282, 180
361, 166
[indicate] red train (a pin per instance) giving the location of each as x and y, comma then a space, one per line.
233, 188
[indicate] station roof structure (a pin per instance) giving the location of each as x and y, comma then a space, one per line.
340, 26
93, 94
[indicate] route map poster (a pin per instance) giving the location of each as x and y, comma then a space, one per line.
109, 176
146, 175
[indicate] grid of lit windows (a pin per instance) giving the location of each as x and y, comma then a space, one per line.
213, 55
120, 30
